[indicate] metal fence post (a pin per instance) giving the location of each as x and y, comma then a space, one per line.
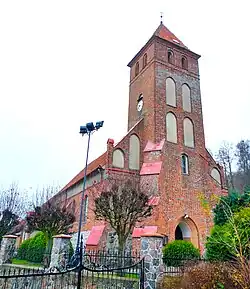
142, 275
80, 266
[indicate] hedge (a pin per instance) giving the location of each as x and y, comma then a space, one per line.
178, 251
33, 249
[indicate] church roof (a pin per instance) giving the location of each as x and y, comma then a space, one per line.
163, 32
100, 161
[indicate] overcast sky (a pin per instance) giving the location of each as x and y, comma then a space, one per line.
64, 63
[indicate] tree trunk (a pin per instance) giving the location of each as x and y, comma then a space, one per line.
121, 244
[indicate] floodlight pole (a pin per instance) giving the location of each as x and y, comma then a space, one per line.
88, 129
82, 197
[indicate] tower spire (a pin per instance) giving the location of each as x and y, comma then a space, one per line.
161, 17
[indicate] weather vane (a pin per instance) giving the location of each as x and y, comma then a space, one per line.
161, 16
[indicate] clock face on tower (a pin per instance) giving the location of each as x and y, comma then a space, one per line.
140, 103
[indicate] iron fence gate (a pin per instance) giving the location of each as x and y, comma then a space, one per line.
96, 270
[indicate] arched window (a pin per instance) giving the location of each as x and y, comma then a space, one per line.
184, 164
184, 63
170, 56
74, 207
171, 127
85, 209
137, 68
188, 133
186, 98
118, 158
134, 152
170, 92
216, 175
145, 60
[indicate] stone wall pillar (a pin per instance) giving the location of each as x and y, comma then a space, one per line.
8, 247
60, 251
151, 250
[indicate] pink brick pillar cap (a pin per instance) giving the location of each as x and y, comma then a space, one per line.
62, 236
110, 141
10, 236
157, 235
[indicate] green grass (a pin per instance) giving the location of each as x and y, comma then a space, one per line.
25, 263
132, 275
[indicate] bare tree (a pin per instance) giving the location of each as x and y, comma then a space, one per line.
14, 200
226, 156
42, 195
13, 206
243, 155
122, 207
49, 215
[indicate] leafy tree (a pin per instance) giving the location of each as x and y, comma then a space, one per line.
122, 207
231, 240
51, 219
217, 243
234, 201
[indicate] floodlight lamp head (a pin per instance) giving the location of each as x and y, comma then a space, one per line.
90, 126
99, 124
83, 130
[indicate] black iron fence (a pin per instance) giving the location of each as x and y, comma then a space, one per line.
177, 267
97, 269
14, 278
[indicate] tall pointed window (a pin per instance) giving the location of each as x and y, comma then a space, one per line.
118, 158
170, 56
188, 132
216, 175
184, 62
184, 164
145, 60
134, 152
171, 125
85, 209
73, 207
137, 68
186, 98
170, 92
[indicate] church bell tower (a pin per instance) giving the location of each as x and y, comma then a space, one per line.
165, 94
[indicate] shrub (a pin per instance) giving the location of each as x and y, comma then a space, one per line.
178, 251
23, 249
217, 244
208, 275
231, 239
33, 249
169, 282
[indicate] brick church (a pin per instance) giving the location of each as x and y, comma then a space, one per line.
164, 148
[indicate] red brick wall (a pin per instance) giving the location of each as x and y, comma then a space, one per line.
179, 194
